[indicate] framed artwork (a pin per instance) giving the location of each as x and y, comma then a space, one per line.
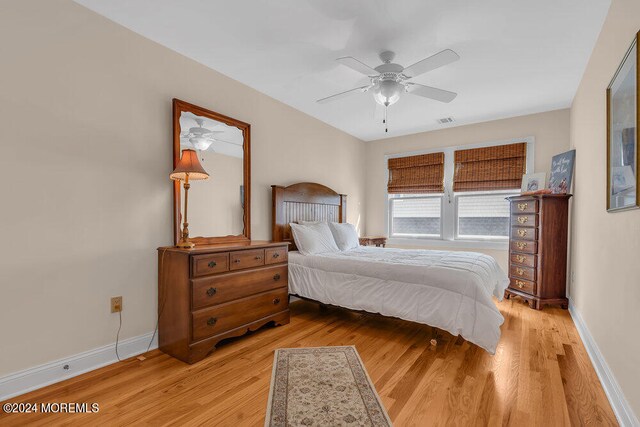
562, 172
622, 136
533, 182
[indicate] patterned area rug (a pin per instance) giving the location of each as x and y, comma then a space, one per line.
322, 386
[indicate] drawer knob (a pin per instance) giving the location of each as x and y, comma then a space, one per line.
237, 261
212, 321
211, 291
212, 264
258, 257
276, 301
521, 245
522, 232
276, 255
523, 219
520, 271
276, 277
521, 258
520, 284
523, 206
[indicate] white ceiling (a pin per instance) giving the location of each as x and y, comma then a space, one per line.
517, 56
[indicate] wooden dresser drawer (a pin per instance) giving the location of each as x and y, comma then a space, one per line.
203, 265
525, 220
246, 259
224, 317
524, 259
275, 255
226, 287
523, 285
522, 272
524, 206
524, 246
524, 233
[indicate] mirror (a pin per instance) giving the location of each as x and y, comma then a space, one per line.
218, 207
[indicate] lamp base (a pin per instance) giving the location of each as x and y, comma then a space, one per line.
185, 244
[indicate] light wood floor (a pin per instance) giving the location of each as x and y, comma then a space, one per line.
540, 375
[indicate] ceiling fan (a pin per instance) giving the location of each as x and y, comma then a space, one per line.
390, 80
200, 137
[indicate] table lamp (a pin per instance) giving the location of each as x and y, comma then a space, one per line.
188, 168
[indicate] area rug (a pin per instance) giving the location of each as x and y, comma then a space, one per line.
322, 386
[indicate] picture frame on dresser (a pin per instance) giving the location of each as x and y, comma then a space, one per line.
623, 116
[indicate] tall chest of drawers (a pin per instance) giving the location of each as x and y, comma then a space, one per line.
215, 292
538, 249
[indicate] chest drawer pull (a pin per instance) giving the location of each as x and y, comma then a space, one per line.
276, 277
211, 291
276, 301
258, 257
212, 321
520, 271
521, 245
237, 260
523, 219
276, 255
522, 232
523, 206
520, 284
521, 258
212, 264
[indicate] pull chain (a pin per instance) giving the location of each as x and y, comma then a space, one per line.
385, 120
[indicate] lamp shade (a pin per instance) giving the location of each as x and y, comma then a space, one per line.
188, 164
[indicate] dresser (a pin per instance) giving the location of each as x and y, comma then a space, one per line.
215, 292
538, 249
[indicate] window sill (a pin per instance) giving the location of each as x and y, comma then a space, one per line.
448, 244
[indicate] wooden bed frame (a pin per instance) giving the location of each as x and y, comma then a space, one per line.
304, 201
309, 201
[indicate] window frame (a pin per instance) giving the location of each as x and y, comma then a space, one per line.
448, 207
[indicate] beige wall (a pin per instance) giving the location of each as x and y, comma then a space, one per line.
550, 130
85, 127
606, 246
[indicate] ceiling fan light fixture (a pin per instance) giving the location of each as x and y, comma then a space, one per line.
200, 142
387, 92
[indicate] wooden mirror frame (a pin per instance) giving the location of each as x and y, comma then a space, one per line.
178, 108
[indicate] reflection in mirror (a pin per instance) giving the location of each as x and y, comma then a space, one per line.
215, 205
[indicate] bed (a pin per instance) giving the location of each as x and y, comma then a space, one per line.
448, 290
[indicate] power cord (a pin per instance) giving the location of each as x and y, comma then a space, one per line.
155, 331
118, 337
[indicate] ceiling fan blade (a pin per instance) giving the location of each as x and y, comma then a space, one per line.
360, 67
431, 92
343, 94
438, 60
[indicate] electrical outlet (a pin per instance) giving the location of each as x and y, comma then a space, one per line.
116, 304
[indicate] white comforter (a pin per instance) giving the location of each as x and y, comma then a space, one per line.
449, 290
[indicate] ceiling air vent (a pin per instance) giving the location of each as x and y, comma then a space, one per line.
445, 120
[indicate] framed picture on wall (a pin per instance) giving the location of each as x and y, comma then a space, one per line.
623, 155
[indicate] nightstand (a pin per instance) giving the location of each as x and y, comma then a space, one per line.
373, 241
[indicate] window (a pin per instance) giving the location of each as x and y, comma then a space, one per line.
482, 216
415, 216
470, 205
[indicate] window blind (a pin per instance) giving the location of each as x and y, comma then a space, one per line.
416, 174
490, 168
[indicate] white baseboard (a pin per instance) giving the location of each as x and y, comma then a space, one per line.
33, 378
619, 403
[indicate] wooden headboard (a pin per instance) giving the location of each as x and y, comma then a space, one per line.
304, 201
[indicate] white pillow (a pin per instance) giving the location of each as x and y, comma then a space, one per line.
311, 222
345, 235
313, 239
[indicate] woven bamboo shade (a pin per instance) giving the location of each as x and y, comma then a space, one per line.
416, 174
491, 168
